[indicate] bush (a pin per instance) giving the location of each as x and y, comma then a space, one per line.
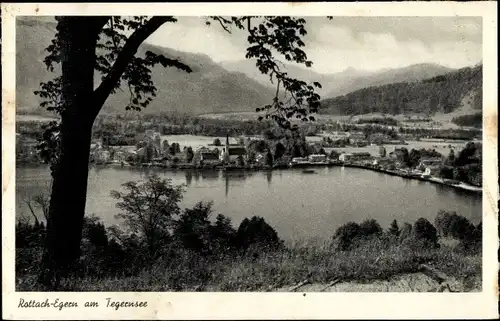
193, 228
425, 231
334, 155
405, 232
94, 232
346, 234
394, 228
222, 234
446, 172
370, 227
256, 232
461, 228
29, 235
454, 225
443, 222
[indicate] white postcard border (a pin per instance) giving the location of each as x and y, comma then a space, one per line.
260, 305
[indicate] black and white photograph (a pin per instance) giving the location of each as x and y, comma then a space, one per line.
249, 153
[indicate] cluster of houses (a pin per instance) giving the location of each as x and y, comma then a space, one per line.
151, 149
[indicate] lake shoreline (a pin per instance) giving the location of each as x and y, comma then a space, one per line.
435, 180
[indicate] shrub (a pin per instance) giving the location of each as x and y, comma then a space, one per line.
334, 155
425, 231
257, 233
405, 231
370, 227
444, 222
222, 234
345, 235
94, 232
446, 172
29, 235
461, 228
394, 228
454, 225
193, 227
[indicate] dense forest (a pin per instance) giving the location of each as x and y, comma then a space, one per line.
442, 93
475, 120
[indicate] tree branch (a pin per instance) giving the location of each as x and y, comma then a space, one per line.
220, 20
129, 50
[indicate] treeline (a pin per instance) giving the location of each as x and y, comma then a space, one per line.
466, 166
387, 121
178, 124
475, 120
456, 134
422, 234
442, 93
116, 131
412, 158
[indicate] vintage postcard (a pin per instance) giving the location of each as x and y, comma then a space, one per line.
249, 160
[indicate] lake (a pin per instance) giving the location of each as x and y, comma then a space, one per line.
297, 205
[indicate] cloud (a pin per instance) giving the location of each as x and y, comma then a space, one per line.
359, 42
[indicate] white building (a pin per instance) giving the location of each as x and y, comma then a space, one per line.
336, 135
317, 158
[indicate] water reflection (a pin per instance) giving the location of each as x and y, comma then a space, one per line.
196, 175
269, 177
189, 178
210, 175
235, 176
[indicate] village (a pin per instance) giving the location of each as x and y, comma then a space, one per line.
236, 153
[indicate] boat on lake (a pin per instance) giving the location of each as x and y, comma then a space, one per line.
309, 171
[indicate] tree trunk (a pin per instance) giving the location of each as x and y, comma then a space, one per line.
69, 189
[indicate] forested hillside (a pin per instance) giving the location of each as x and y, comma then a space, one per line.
443, 93
208, 89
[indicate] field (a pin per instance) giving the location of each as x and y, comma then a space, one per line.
26, 118
438, 121
441, 147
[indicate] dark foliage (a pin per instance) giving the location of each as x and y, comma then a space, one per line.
256, 233
370, 227
450, 224
346, 234
394, 228
440, 94
475, 120
424, 231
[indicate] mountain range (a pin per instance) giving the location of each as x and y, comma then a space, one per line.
211, 88
439, 94
346, 81
208, 89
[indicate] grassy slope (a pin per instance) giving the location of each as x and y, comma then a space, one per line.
374, 263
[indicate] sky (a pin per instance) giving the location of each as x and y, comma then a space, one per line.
366, 43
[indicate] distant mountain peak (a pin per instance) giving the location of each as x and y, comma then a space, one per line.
350, 69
